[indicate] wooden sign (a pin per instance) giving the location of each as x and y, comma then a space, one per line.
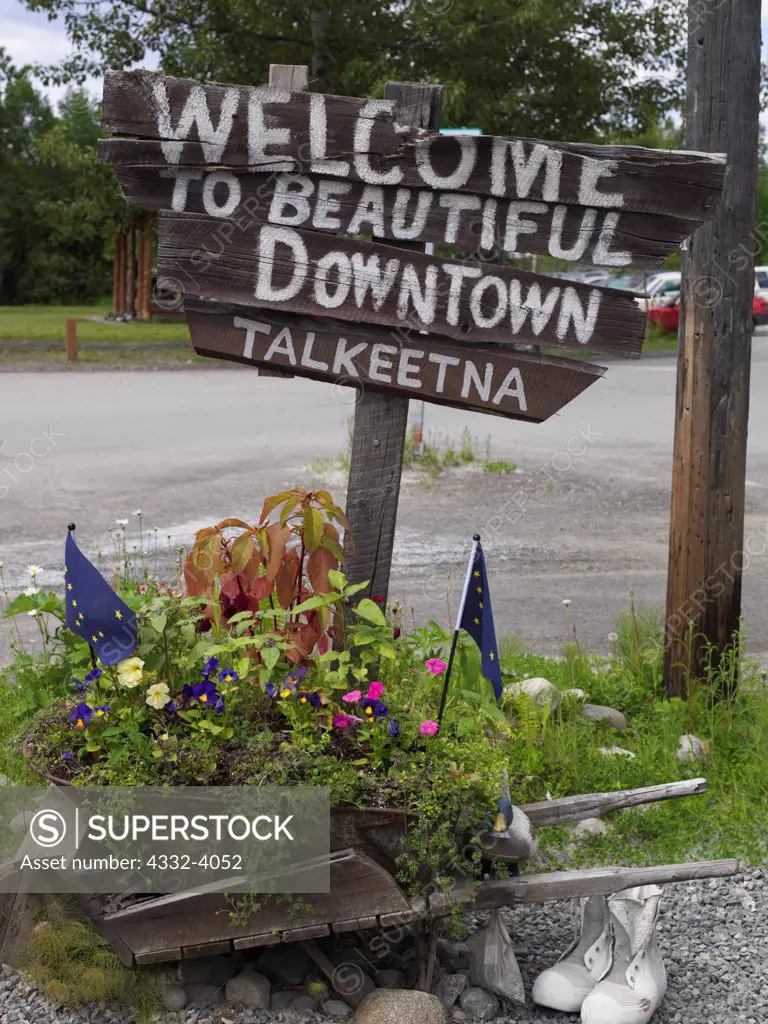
589, 234
308, 272
517, 385
180, 123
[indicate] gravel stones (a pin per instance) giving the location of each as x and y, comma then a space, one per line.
400, 1006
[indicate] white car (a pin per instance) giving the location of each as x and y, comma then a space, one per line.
659, 286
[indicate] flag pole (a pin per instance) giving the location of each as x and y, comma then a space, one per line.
459, 617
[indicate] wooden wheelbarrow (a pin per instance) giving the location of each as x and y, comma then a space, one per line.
364, 894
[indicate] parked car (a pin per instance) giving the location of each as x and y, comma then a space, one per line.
666, 313
660, 285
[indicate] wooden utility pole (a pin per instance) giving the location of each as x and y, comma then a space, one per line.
381, 422
709, 467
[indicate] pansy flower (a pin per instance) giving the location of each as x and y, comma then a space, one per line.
301, 672
93, 675
82, 687
311, 698
205, 693
158, 695
289, 686
394, 727
271, 690
219, 706
80, 717
374, 709
101, 710
228, 675
68, 756
171, 707
209, 668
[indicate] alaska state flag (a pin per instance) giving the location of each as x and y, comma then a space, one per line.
476, 616
94, 611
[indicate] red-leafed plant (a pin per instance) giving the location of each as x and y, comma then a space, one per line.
279, 563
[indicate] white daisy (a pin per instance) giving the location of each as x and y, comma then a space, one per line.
33, 570
31, 591
122, 523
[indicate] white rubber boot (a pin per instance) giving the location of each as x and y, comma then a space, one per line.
633, 989
566, 985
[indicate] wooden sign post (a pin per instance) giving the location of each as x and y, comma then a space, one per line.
294, 223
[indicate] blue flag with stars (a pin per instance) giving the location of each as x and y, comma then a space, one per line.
476, 617
94, 611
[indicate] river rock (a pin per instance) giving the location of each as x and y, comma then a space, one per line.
449, 988
250, 988
281, 1000
175, 997
401, 1006
336, 1008
479, 1004
591, 827
303, 1003
539, 690
203, 995
691, 748
207, 970
601, 713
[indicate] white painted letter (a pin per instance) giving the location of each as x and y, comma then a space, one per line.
318, 141
512, 385
195, 111
344, 357
471, 376
476, 302
457, 178
602, 254
326, 298
368, 275
327, 207
269, 238
261, 133
518, 225
181, 180
380, 361
282, 345
306, 356
362, 142
424, 302
443, 362
571, 309
458, 276
591, 172
251, 327
370, 210
407, 367
579, 247
291, 193
423, 205
232, 184
456, 204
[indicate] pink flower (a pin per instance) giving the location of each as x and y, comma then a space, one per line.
436, 666
341, 721
375, 690
352, 698
428, 728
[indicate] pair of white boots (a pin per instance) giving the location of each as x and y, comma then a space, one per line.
613, 973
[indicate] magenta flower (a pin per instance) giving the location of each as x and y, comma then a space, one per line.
341, 721
436, 666
375, 690
352, 698
428, 728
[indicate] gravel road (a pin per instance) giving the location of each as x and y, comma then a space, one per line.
713, 935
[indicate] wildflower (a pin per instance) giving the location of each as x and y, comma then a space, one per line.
209, 668
289, 686
187, 690
271, 689
341, 721
101, 710
394, 727
613, 638
122, 523
228, 675
352, 697
129, 672
31, 591
436, 666
32, 613
311, 698
158, 695
428, 728
374, 709
205, 693
68, 756
171, 707
143, 588
219, 706
93, 675
566, 602
80, 717
33, 570
375, 690
301, 672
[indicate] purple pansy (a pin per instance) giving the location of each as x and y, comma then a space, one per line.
373, 708
228, 675
80, 717
93, 675
219, 706
209, 668
205, 693
394, 727
271, 689
68, 756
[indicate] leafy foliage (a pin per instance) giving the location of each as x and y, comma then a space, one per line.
58, 207
574, 69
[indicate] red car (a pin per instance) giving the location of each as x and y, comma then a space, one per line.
666, 315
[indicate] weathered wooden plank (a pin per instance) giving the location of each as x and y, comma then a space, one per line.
516, 385
183, 124
262, 939
207, 949
562, 885
586, 805
158, 956
306, 272
587, 234
314, 931
359, 924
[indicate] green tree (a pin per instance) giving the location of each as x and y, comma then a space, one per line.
58, 207
566, 69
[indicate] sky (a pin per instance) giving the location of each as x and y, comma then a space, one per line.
30, 37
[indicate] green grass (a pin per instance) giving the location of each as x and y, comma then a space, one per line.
47, 323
